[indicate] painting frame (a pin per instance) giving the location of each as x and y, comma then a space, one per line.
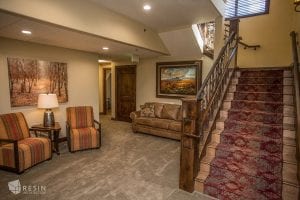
189, 90
29, 77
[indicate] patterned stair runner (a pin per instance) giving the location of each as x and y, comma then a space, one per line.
248, 160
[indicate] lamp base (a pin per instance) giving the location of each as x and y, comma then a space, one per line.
49, 118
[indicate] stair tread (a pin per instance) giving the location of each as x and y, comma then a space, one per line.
253, 123
253, 111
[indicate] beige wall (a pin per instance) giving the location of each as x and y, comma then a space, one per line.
82, 78
182, 46
271, 31
88, 17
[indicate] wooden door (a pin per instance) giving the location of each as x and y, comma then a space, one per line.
125, 91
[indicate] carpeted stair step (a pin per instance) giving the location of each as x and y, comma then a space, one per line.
250, 128
220, 184
261, 73
258, 96
254, 116
268, 167
264, 106
259, 88
260, 80
287, 140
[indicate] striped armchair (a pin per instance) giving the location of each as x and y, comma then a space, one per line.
19, 151
81, 131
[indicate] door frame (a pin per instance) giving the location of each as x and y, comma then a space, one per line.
104, 112
116, 87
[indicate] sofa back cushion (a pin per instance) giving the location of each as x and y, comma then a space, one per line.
170, 111
164, 110
157, 108
13, 126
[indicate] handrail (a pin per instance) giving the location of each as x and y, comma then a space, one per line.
296, 97
221, 54
200, 113
246, 46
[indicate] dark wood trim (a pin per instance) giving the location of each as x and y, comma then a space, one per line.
104, 89
296, 74
116, 88
62, 139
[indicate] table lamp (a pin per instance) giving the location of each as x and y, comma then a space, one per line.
48, 101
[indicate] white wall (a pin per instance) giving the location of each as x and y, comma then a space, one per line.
82, 78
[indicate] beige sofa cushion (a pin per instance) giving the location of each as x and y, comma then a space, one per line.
154, 122
157, 108
170, 111
175, 126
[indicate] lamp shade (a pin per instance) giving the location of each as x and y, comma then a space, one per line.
47, 101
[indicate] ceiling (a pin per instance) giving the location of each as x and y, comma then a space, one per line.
49, 34
165, 15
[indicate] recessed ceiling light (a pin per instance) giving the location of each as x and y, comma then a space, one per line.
26, 32
105, 48
147, 7
103, 61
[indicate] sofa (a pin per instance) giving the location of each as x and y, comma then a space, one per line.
160, 119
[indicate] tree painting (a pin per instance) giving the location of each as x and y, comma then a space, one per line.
28, 78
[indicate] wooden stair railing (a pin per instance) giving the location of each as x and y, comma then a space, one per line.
200, 113
296, 72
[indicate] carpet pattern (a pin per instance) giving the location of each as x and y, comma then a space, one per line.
128, 166
248, 161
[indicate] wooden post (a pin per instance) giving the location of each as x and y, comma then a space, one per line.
189, 156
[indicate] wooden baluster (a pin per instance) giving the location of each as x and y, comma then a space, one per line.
189, 156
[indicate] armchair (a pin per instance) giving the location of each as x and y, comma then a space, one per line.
80, 128
19, 151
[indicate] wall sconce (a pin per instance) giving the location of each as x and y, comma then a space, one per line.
48, 101
297, 4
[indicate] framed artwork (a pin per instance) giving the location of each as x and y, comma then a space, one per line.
207, 32
30, 77
178, 79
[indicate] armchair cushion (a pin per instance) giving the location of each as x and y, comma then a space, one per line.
13, 126
80, 116
84, 138
31, 152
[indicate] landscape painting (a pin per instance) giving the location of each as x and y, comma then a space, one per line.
177, 79
30, 77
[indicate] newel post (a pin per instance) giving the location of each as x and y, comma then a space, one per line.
189, 156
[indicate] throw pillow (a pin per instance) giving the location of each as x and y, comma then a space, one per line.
147, 111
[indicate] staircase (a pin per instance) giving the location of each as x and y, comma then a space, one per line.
252, 151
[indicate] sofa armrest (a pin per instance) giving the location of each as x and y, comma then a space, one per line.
134, 115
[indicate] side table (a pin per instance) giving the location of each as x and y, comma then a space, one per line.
52, 131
